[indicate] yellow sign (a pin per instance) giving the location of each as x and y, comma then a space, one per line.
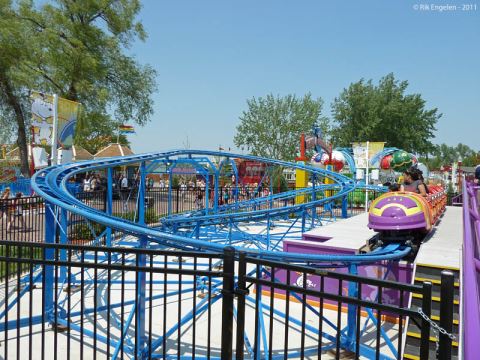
360, 152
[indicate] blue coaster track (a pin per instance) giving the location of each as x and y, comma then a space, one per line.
209, 229
51, 184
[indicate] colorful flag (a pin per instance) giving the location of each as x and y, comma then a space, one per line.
68, 113
126, 129
42, 119
360, 155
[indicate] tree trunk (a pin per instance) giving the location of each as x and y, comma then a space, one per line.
15, 105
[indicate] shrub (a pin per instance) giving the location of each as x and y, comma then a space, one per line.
151, 216
83, 231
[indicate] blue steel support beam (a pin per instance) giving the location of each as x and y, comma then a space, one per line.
215, 189
50, 233
63, 240
352, 309
314, 198
109, 203
169, 199
344, 207
206, 200
141, 261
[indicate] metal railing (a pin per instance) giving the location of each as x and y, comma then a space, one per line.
471, 271
454, 199
315, 294
75, 302
23, 219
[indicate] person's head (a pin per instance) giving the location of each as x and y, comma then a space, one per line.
18, 195
407, 176
394, 187
6, 191
416, 173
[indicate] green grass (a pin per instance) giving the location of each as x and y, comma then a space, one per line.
21, 252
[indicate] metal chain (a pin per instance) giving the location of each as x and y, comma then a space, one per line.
434, 325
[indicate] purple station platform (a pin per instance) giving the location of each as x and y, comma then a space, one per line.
347, 237
441, 249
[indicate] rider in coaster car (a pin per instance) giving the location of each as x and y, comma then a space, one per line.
413, 181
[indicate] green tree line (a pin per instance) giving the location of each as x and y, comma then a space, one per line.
444, 154
365, 111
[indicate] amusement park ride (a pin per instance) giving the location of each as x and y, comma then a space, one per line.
401, 218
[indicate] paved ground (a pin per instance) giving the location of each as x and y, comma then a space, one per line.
443, 246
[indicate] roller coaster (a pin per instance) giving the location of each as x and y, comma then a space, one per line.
51, 184
215, 226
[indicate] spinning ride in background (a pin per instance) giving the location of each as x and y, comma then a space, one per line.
337, 160
385, 162
398, 160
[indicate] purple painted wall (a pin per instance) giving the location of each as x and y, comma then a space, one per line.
471, 272
398, 272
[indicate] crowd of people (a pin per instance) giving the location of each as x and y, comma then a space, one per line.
94, 182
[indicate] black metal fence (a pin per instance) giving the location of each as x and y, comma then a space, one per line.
83, 302
79, 302
318, 292
23, 219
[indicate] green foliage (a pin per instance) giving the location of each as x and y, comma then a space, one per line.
97, 133
279, 182
450, 190
271, 126
83, 231
447, 155
384, 112
14, 52
151, 216
175, 181
77, 50
15, 251
358, 197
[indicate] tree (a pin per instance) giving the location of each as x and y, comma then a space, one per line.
76, 48
447, 155
279, 182
97, 133
271, 126
384, 112
13, 45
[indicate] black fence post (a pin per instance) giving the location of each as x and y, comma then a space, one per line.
241, 291
177, 200
427, 310
228, 292
446, 315
105, 200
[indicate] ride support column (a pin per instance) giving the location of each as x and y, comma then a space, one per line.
63, 240
352, 309
140, 324
48, 270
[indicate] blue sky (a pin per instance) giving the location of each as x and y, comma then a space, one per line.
213, 55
